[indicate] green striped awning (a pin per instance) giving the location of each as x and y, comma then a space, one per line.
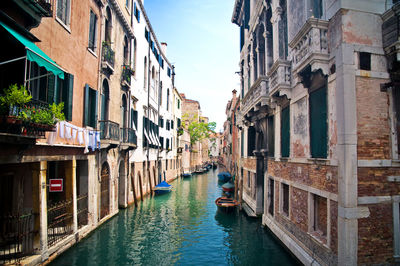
34, 54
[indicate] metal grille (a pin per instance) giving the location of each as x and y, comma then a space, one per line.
82, 203
60, 221
16, 237
105, 194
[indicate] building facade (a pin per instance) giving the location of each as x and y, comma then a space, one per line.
318, 126
118, 139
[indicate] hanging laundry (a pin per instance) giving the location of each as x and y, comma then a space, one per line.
62, 123
74, 131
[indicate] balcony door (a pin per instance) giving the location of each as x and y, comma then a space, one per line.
105, 98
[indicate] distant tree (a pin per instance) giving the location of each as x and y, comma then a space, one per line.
197, 129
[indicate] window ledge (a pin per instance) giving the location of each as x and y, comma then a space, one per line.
320, 239
66, 27
92, 52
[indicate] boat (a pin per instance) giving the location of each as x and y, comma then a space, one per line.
226, 204
224, 177
162, 188
186, 174
228, 187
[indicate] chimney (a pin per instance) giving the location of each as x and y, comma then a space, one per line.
164, 48
234, 93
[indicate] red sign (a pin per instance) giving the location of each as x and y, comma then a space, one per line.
56, 185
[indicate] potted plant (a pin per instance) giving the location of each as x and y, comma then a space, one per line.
14, 98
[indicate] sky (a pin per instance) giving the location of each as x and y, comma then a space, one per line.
203, 44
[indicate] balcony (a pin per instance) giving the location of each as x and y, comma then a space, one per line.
280, 78
108, 58
109, 134
24, 124
256, 96
128, 139
127, 72
310, 46
390, 37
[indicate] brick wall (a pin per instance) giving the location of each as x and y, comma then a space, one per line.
373, 129
373, 181
319, 176
334, 226
375, 235
298, 208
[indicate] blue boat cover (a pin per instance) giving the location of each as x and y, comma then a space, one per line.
163, 184
224, 174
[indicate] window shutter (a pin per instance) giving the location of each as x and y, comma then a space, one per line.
285, 132
86, 106
179, 122
271, 137
51, 89
318, 123
68, 92
138, 15
172, 124
95, 116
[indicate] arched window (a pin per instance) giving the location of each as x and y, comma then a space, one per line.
108, 26
105, 98
124, 110
126, 51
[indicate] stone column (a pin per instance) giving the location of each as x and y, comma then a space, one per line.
276, 17
39, 174
70, 191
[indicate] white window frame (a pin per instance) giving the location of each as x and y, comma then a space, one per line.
67, 23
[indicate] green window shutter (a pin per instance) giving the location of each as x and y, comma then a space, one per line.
271, 136
95, 109
285, 132
51, 89
67, 95
135, 116
318, 123
86, 106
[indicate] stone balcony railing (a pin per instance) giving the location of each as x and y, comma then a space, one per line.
258, 94
310, 46
280, 77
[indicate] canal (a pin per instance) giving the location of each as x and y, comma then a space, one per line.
179, 228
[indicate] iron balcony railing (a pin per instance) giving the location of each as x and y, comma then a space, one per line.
108, 54
109, 130
128, 135
127, 72
59, 221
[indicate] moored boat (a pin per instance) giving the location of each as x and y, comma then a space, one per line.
186, 174
224, 177
226, 204
228, 187
162, 188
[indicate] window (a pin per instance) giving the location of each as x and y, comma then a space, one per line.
251, 140
90, 107
282, 24
147, 35
136, 13
179, 123
316, 8
167, 99
271, 137
365, 61
92, 31
319, 213
108, 26
105, 98
318, 123
126, 51
285, 132
271, 187
167, 125
50, 89
285, 199
167, 146
134, 119
127, 4
179, 104
161, 122
172, 124
162, 142
169, 72
63, 11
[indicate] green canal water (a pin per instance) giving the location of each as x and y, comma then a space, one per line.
183, 227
